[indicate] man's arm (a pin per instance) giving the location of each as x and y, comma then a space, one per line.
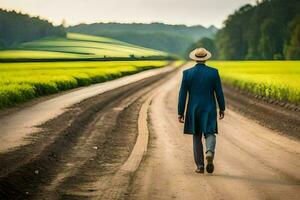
182, 98
220, 96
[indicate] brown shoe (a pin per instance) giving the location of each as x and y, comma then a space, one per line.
210, 164
200, 170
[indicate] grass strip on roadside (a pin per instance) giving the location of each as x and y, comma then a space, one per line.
20, 82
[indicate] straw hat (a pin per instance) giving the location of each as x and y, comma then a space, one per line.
200, 54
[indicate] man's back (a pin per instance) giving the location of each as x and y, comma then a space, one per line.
201, 83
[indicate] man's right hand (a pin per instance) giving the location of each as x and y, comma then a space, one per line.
221, 114
181, 118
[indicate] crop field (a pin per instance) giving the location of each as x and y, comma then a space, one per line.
276, 80
77, 46
20, 82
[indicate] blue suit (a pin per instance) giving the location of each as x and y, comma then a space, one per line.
202, 84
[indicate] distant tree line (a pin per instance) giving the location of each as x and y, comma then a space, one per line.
268, 30
172, 43
165, 37
16, 28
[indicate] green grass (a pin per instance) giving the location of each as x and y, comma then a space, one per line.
25, 54
20, 82
278, 80
78, 46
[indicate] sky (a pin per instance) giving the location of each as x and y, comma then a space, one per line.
189, 12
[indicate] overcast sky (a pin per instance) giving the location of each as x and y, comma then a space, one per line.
189, 12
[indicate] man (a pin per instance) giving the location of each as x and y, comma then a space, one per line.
202, 84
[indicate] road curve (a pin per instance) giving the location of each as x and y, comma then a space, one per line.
251, 162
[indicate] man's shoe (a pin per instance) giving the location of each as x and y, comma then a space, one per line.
210, 164
200, 170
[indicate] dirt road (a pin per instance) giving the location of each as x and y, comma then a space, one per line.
252, 162
78, 154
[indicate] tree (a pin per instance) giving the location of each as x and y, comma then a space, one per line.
205, 42
17, 27
268, 40
264, 31
292, 47
230, 41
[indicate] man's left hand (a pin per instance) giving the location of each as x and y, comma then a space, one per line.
221, 114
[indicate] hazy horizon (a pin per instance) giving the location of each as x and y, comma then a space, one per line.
186, 12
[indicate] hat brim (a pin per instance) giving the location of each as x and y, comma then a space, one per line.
195, 58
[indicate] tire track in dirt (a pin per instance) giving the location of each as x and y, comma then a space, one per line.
77, 153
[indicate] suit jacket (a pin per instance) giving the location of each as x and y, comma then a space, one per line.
203, 86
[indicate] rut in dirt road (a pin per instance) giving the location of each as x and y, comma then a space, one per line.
80, 150
251, 161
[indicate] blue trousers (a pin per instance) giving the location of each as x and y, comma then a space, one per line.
210, 141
